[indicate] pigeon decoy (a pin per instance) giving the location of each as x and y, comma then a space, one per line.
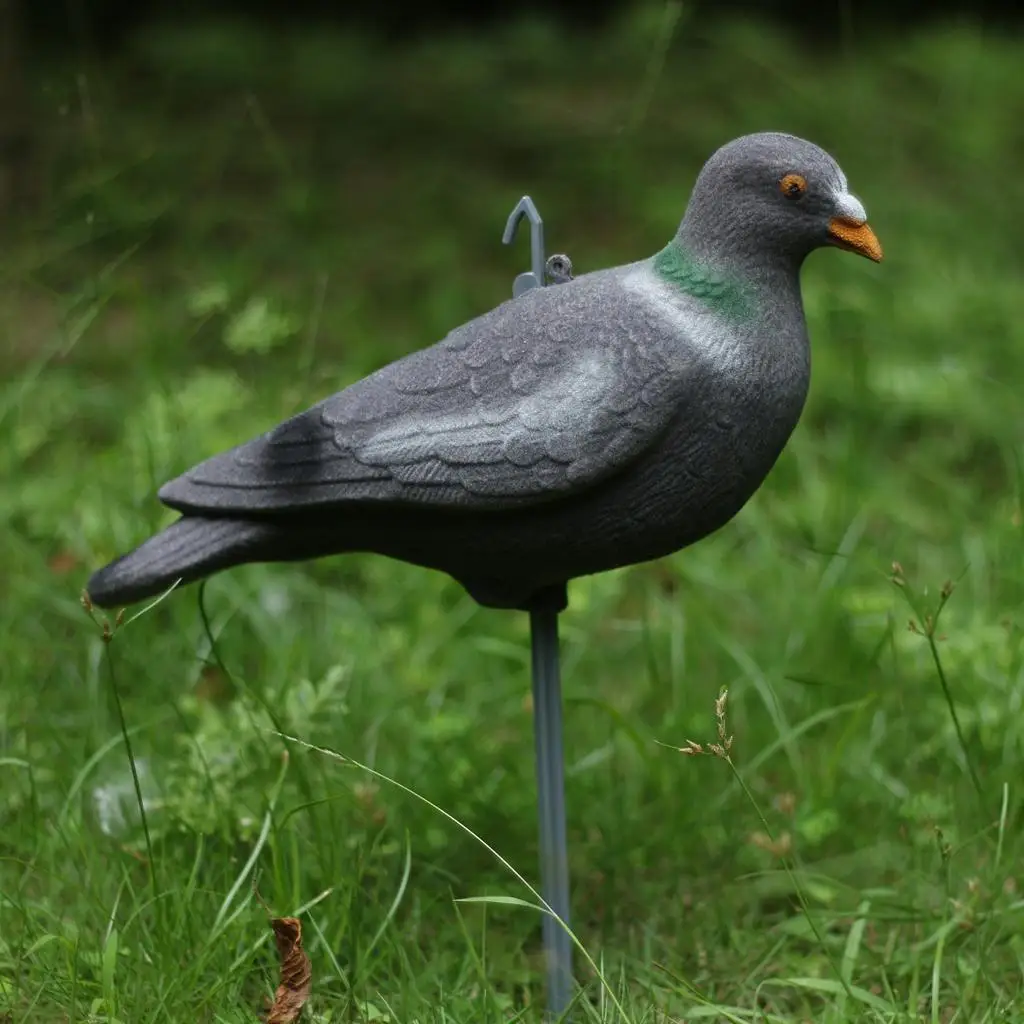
610, 419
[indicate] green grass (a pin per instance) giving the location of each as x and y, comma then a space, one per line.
233, 225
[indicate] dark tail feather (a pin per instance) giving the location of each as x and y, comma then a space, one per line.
189, 550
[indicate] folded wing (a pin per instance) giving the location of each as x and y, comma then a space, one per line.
538, 399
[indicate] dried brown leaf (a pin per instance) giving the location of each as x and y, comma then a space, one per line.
296, 972
213, 686
61, 564
785, 803
779, 847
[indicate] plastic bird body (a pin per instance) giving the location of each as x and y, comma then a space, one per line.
610, 420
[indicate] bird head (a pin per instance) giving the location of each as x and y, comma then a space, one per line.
780, 195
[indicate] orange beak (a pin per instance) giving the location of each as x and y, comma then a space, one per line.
855, 236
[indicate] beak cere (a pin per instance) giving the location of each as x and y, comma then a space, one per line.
849, 229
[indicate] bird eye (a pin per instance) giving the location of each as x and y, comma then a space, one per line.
793, 186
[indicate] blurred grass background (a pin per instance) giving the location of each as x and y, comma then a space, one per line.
232, 223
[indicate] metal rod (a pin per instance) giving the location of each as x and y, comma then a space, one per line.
554, 863
547, 688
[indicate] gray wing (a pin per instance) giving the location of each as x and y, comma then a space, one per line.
540, 398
